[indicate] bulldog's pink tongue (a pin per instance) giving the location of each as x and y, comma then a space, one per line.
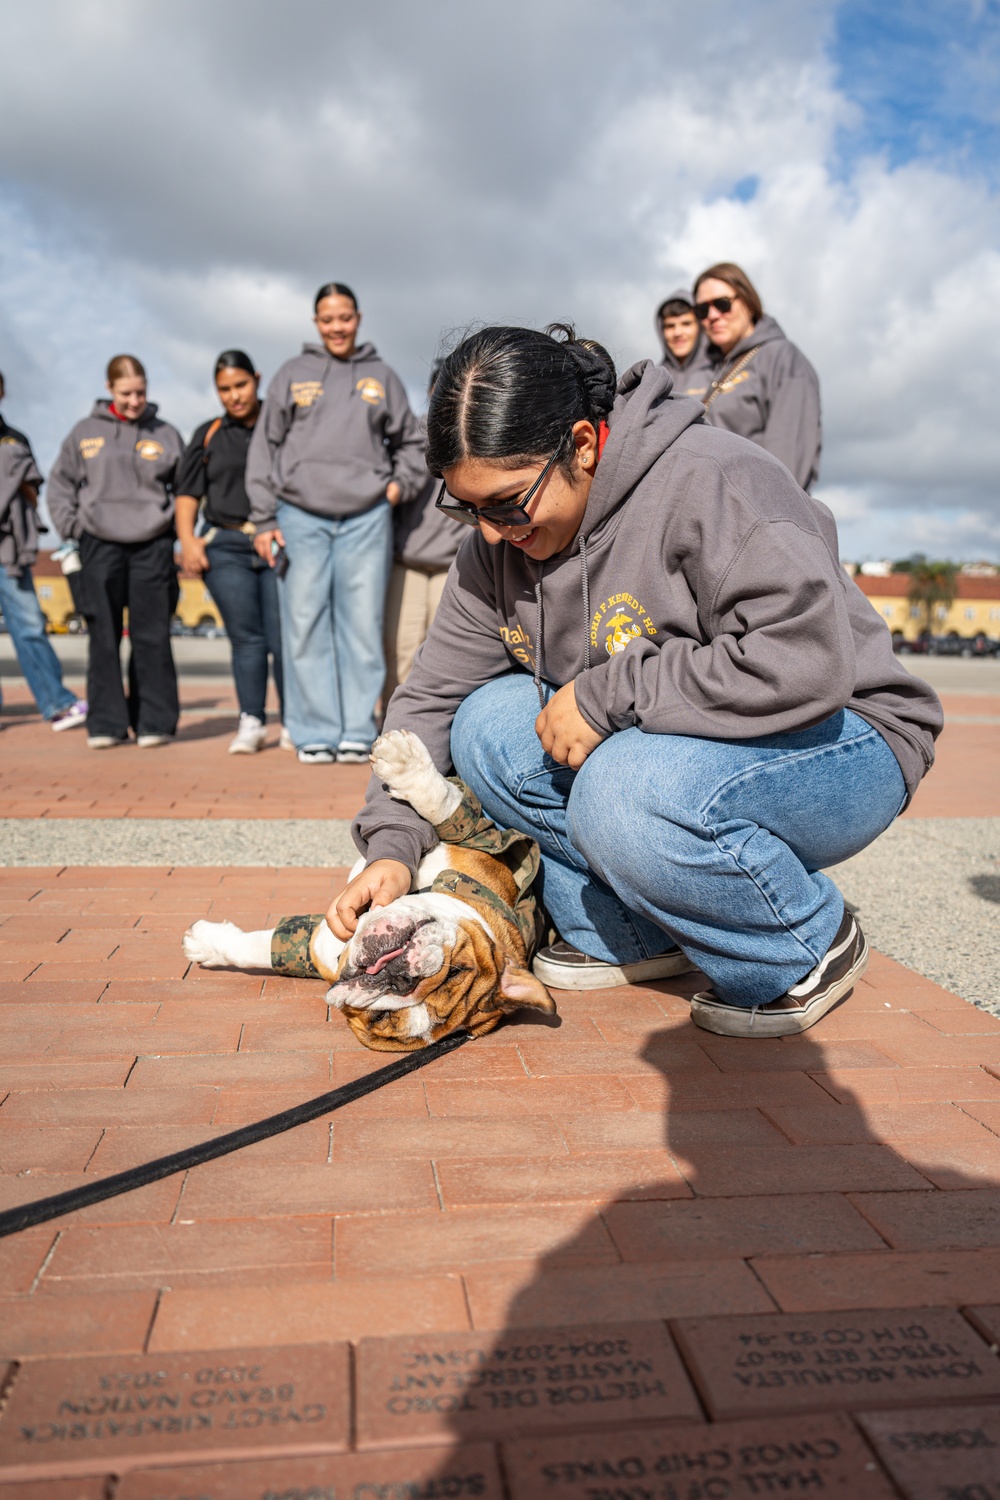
379, 965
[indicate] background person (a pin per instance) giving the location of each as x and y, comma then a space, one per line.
20, 481
722, 715
336, 447
425, 541
112, 490
684, 345
211, 477
762, 386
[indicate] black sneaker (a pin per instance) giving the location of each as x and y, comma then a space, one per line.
563, 967
797, 1009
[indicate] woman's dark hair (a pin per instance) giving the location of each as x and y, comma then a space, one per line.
334, 289
122, 367
512, 395
740, 282
234, 359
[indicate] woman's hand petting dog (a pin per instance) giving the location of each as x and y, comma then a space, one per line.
379, 883
564, 732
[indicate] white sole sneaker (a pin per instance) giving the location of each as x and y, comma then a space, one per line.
585, 973
837, 972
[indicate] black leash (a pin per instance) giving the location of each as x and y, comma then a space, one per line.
15, 1219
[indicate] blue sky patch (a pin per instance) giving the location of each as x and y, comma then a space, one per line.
926, 76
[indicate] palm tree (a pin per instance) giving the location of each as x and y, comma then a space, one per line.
931, 584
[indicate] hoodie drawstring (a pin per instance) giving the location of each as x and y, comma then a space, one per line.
585, 584
538, 636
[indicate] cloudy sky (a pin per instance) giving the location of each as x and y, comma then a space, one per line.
179, 176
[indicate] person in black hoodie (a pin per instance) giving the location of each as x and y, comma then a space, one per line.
649, 658
211, 479
762, 386
112, 490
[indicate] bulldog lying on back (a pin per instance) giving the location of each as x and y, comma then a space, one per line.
454, 952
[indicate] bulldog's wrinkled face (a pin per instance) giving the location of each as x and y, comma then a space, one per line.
394, 948
425, 964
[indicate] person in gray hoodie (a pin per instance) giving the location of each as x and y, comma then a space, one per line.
20, 481
649, 657
336, 447
761, 385
112, 490
685, 347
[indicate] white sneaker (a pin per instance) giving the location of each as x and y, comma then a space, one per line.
153, 741
104, 741
563, 967
316, 755
353, 753
285, 741
249, 737
72, 717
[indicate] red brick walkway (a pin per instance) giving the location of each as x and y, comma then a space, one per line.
613, 1257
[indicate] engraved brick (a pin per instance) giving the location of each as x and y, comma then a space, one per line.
475, 1385
784, 1455
84, 1416
939, 1452
836, 1360
459, 1472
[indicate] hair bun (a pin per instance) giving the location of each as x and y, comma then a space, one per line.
595, 367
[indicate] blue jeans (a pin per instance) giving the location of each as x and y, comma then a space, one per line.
39, 663
332, 603
246, 592
715, 844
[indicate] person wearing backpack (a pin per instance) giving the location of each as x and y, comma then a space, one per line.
112, 490
211, 478
336, 448
762, 387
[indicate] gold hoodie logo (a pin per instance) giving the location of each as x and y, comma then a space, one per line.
619, 620
149, 448
90, 447
306, 392
371, 390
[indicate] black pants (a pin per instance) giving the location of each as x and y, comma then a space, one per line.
141, 577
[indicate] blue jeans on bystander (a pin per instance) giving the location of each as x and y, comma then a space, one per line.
716, 845
39, 663
332, 608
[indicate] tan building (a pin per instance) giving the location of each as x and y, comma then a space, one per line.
976, 610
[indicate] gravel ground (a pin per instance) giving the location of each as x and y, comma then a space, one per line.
927, 893
177, 841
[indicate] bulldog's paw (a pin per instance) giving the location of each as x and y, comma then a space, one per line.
204, 944
223, 945
401, 760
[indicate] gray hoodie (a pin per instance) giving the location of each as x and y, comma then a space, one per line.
424, 537
702, 596
332, 435
115, 479
773, 399
694, 375
18, 517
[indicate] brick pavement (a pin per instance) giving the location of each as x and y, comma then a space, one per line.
524, 1245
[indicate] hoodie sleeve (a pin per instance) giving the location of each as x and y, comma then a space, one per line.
777, 654
268, 435
463, 650
793, 432
404, 440
63, 493
17, 468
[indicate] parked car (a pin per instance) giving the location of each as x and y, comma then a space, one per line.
980, 645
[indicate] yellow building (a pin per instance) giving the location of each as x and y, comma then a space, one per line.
976, 610
195, 606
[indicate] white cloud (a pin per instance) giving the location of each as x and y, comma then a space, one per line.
188, 174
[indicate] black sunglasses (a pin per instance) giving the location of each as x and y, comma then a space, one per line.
510, 513
721, 304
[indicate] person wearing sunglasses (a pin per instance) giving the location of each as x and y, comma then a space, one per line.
761, 386
648, 657
685, 347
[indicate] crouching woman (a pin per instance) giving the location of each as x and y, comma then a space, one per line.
649, 657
